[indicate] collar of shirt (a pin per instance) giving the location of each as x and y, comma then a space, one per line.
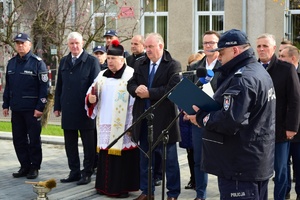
264, 63
212, 64
156, 66
78, 54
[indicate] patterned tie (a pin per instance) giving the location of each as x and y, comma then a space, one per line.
151, 75
265, 65
74, 60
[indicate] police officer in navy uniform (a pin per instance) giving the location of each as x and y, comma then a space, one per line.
111, 35
26, 95
239, 138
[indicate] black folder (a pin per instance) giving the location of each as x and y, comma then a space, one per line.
186, 94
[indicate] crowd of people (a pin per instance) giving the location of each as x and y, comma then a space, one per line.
116, 104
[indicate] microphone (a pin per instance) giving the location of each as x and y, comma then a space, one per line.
194, 72
200, 72
205, 79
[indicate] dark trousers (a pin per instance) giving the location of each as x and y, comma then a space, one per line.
191, 162
295, 154
157, 170
172, 166
71, 147
26, 131
246, 190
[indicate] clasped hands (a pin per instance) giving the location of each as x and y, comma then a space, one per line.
142, 92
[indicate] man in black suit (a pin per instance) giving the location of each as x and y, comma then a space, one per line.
210, 62
137, 49
290, 54
76, 73
287, 89
159, 64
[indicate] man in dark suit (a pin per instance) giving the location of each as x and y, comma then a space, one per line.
290, 54
210, 62
76, 73
147, 92
287, 89
137, 49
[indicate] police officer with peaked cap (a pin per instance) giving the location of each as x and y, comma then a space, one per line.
239, 138
25, 94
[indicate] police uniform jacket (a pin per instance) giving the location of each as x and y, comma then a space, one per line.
202, 63
26, 83
287, 88
165, 78
239, 139
73, 81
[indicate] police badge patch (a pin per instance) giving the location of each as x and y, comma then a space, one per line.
44, 100
44, 77
227, 101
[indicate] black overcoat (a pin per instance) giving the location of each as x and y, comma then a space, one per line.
166, 77
71, 87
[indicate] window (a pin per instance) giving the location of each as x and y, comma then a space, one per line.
209, 16
155, 18
104, 18
292, 21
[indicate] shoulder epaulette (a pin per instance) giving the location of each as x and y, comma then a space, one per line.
36, 57
239, 72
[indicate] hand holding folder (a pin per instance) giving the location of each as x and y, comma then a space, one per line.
186, 94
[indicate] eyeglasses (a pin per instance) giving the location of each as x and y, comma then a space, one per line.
209, 43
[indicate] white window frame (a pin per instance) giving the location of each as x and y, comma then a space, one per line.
154, 14
209, 13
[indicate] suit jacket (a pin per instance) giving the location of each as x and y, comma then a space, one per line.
202, 63
165, 79
71, 87
297, 137
287, 89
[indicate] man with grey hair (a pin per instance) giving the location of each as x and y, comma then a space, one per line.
153, 77
76, 73
291, 54
287, 89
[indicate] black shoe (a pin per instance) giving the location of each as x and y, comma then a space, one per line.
287, 196
21, 173
157, 182
33, 173
84, 180
70, 179
190, 185
123, 195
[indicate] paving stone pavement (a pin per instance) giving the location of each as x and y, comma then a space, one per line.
55, 166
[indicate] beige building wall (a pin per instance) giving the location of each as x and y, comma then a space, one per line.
181, 30
262, 17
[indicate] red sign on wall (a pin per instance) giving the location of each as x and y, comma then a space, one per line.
126, 11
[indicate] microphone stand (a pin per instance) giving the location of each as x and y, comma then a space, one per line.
148, 113
164, 136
